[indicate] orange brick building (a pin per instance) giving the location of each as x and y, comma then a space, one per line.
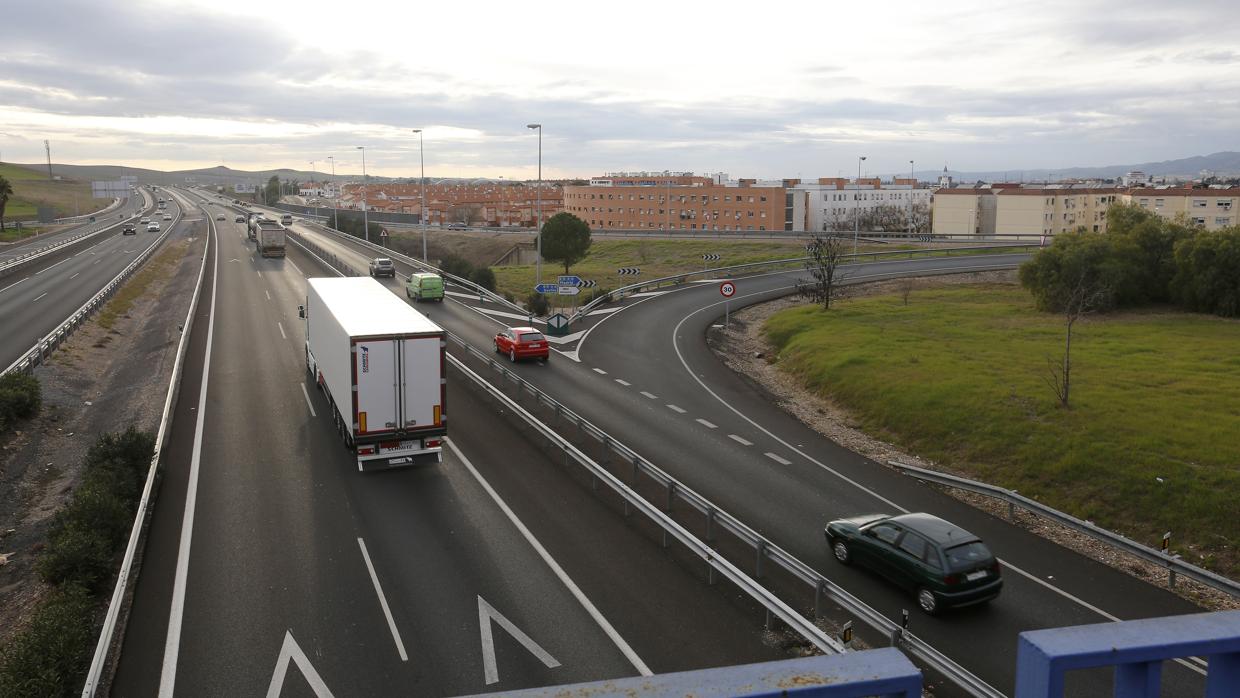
681, 201
485, 204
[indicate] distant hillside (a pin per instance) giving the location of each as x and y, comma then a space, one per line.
1225, 164
68, 196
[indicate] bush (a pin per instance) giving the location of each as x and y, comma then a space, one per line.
537, 303
484, 277
456, 265
1207, 276
20, 397
77, 556
1053, 272
49, 657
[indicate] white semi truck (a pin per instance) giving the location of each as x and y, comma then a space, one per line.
382, 366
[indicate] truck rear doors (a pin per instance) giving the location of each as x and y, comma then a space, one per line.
398, 384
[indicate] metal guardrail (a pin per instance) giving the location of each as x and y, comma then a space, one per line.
677, 279
716, 518
45, 346
1173, 563
107, 634
12, 264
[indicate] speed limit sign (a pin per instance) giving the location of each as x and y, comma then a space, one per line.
727, 288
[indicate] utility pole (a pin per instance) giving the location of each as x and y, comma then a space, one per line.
335, 214
538, 244
422, 215
857, 207
365, 207
47, 145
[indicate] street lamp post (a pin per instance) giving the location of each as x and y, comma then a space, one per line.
365, 206
912, 185
538, 238
422, 217
857, 207
335, 214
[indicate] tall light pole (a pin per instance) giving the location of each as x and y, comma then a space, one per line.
365, 206
422, 218
857, 207
538, 239
912, 185
335, 213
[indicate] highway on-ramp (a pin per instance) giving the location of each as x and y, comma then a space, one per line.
272, 562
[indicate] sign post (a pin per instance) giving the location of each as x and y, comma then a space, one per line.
727, 289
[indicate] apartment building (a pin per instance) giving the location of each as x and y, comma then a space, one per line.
1213, 208
834, 203
682, 201
1013, 210
485, 203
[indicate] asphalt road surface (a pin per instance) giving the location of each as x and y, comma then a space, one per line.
272, 562
126, 209
37, 299
646, 375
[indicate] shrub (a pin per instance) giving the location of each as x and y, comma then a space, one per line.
1053, 271
456, 265
77, 556
49, 657
484, 277
537, 303
20, 397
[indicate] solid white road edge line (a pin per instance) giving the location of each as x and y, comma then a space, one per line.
172, 644
54, 265
308, 403
400, 646
2, 290
585, 602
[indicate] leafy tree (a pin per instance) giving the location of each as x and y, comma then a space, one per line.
456, 265
566, 239
1054, 274
6, 191
1144, 245
484, 277
1207, 277
271, 193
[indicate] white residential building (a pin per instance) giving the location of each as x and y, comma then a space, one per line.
834, 203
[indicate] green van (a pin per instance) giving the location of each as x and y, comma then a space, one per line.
424, 287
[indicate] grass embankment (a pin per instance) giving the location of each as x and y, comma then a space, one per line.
1149, 445
32, 189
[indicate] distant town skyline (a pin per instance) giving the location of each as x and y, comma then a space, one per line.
803, 91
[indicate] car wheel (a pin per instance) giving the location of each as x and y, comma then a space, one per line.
927, 601
840, 549
512, 355
497, 350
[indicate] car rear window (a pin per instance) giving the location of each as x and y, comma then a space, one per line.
967, 555
531, 337
383, 262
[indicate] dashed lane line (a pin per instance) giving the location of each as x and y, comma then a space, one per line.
600, 371
778, 459
623, 382
706, 424
649, 395
739, 440
675, 409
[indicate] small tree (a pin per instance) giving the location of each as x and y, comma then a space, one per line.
825, 255
566, 239
1084, 293
271, 193
6, 190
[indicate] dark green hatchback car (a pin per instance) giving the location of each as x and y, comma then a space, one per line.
943, 564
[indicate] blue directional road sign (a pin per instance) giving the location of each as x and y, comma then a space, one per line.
547, 288
570, 280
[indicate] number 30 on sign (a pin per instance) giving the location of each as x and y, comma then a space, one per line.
727, 288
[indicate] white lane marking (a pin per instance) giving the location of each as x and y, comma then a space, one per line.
706, 424
400, 646
585, 602
778, 459
600, 371
96, 262
2, 290
675, 409
602, 311
75, 275
649, 395
505, 313
291, 652
646, 294
259, 272
308, 403
623, 382
172, 644
294, 264
281, 326
490, 669
54, 265
739, 440
268, 294
39, 296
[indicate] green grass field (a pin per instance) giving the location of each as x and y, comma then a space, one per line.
31, 189
957, 376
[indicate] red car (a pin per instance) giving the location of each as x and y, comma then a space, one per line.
522, 343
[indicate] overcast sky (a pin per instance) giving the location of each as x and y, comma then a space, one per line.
753, 89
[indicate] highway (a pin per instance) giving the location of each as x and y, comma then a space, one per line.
124, 211
270, 557
36, 299
647, 377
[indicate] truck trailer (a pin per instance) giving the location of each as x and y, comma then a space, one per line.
269, 238
381, 365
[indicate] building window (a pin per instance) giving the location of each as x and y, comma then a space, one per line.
1199, 221
763, 198
1199, 203
1224, 204
1158, 203
1222, 221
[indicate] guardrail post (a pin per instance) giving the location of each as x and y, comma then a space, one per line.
710, 573
1012, 509
710, 525
557, 414
671, 494
1171, 574
818, 592
606, 449
761, 554
636, 465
